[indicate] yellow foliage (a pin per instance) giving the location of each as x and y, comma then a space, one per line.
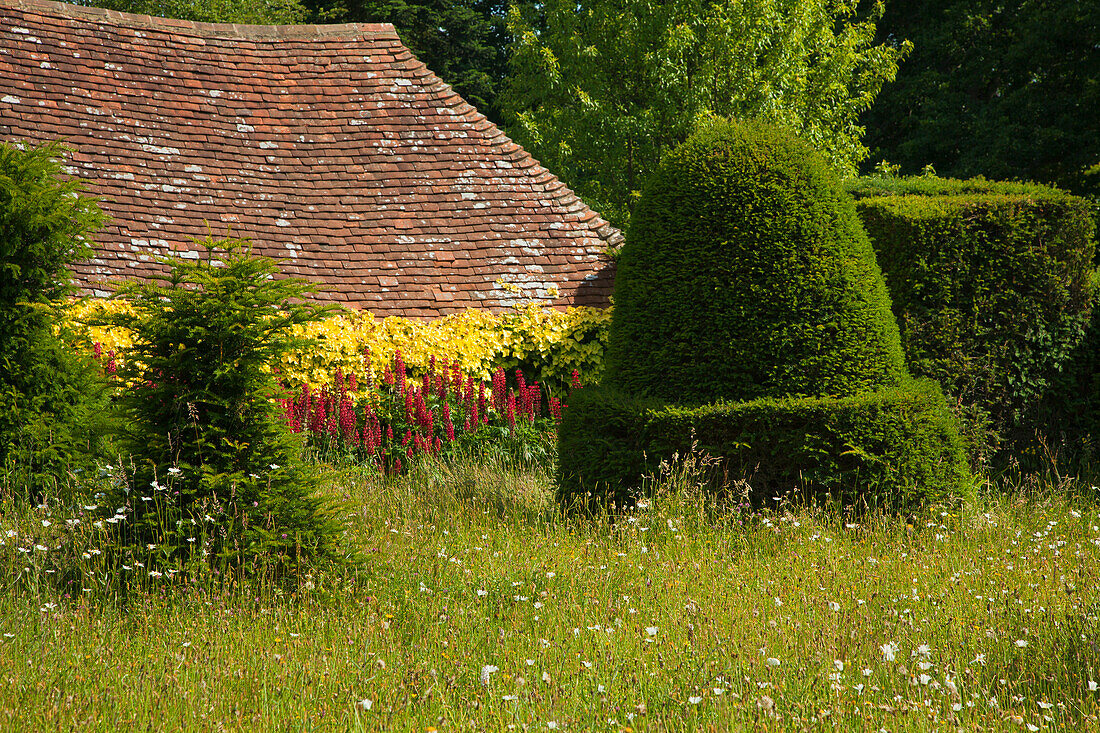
547, 343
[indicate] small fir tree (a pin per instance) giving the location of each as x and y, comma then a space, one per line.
218, 478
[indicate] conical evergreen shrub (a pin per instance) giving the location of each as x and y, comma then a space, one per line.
746, 274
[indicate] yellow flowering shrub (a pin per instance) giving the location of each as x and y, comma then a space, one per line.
546, 343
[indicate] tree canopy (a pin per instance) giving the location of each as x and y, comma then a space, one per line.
599, 90
463, 41
1004, 90
253, 12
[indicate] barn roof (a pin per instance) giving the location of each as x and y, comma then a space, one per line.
329, 146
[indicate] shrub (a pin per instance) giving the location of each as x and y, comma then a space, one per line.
209, 444
991, 284
547, 344
892, 448
750, 316
745, 255
51, 398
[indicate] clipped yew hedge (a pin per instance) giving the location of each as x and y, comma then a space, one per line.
893, 448
992, 285
751, 321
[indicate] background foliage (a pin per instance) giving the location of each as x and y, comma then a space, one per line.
1008, 90
252, 12
599, 91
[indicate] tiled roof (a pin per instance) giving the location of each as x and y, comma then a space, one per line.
331, 146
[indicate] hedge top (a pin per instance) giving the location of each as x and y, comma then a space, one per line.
746, 274
873, 186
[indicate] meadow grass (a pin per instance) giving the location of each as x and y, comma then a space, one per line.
477, 605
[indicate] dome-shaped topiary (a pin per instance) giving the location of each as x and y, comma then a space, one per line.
746, 274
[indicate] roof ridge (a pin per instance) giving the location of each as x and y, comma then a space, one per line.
207, 30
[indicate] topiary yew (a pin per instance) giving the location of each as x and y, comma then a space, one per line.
746, 274
752, 322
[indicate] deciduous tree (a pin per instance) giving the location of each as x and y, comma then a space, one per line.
599, 90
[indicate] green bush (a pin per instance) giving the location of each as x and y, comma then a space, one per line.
893, 448
218, 479
991, 284
752, 321
745, 273
51, 398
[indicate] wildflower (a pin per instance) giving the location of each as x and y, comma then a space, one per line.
719, 690
508, 698
771, 662
980, 659
155, 574
551, 725
364, 704
651, 630
1045, 705
486, 671
1021, 643
175, 471
924, 650
839, 665
546, 677
482, 592
889, 651
778, 602
695, 700
41, 548
45, 523
834, 606
1093, 687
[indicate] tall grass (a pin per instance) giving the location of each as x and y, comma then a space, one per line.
479, 606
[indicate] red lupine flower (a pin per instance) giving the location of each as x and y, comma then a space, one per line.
97, 350
534, 401
500, 387
112, 365
555, 409
511, 410
448, 426
353, 383
576, 381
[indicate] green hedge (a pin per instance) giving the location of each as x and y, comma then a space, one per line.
991, 283
895, 448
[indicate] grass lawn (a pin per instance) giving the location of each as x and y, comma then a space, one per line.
479, 607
